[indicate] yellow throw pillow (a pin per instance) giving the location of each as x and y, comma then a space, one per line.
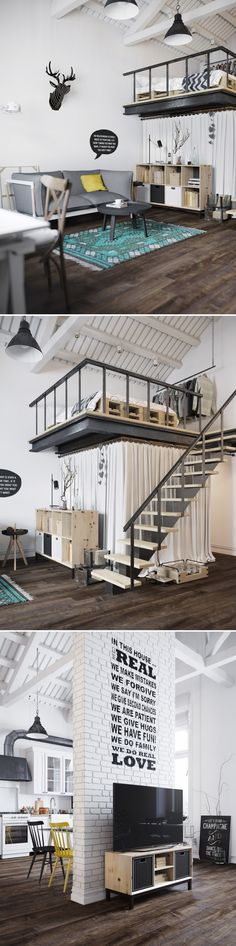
92, 182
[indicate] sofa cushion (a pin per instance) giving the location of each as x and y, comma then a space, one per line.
92, 182
23, 194
103, 197
79, 203
76, 184
120, 181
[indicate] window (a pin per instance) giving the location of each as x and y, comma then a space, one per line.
182, 757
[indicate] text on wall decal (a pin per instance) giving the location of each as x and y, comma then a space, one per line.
10, 483
133, 708
103, 141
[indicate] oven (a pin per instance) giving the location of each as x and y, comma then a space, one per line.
15, 836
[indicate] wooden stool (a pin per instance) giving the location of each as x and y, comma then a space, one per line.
14, 543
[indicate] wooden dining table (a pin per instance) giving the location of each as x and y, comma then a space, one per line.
16, 241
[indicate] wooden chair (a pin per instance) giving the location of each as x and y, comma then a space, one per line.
62, 850
48, 240
40, 849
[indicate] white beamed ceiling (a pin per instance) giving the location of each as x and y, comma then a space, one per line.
217, 27
211, 654
142, 340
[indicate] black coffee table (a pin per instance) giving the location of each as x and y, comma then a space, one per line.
132, 209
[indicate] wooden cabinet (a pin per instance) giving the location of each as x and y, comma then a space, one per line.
134, 872
63, 535
176, 185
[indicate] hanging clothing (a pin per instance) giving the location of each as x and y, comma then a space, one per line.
206, 387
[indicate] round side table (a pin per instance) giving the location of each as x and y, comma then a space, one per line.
15, 543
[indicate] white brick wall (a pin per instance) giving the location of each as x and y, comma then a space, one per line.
94, 773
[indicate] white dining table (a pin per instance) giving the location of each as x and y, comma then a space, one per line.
14, 246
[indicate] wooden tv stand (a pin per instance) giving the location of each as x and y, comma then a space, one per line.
133, 873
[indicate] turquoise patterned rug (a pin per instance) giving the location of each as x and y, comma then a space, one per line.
10, 593
94, 248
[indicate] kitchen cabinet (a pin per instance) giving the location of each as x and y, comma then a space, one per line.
50, 770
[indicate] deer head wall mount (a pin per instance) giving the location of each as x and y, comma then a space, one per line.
60, 88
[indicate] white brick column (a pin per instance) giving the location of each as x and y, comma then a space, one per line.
98, 762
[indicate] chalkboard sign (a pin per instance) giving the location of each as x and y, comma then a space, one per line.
103, 141
10, 483
214, 838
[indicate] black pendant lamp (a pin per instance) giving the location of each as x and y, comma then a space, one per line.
178, 34
37, 731
121, 9
23, 346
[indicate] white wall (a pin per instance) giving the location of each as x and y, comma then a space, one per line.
212, 741
94, 771
96, 50
18, 386
20, 715
223, 486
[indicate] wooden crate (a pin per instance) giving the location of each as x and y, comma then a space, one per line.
159, 418
113, 407
135, 411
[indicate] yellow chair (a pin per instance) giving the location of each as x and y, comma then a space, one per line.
62, 849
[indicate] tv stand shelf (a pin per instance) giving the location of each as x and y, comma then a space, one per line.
133, 873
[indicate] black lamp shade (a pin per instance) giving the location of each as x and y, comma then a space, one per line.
178, 34
121, 9
37, 730
23, 346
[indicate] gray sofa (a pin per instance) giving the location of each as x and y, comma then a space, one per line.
29, 194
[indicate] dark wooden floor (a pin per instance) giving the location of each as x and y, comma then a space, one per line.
194, 276
36, 916
59, 604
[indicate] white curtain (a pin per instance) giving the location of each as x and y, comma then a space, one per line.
116, 478
221, 153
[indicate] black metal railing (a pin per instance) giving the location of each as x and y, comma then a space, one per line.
165, 66
129, 376
156, 493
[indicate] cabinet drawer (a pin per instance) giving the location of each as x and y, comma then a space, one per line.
39, 542
181, 864
142, 872
47, 544
173, 195
56, 547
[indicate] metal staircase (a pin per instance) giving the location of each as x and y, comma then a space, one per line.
161, 511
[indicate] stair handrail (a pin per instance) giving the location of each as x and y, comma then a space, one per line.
170, 472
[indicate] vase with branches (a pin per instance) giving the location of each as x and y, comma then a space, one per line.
179, 139
68, 477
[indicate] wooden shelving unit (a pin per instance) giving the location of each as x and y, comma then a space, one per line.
133, 873
63, 535
177, 185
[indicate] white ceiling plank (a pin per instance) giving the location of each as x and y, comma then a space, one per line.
31, 685
22, 664
46, 329
16, 637
147, 15
7, 662
167, 329
196, 13
188, 656
117, 342
71, 325
219, 642
60, 8
221, 659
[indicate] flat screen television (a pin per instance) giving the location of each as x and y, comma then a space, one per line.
145, 817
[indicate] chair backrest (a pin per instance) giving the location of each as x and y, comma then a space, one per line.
56, 200
60, 837
37, 836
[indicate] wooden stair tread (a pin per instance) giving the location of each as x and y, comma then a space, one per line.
125, 560
153, 528
149, 513
114, 578
143, 544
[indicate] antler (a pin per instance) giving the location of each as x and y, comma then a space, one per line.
56, 75
71, 77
